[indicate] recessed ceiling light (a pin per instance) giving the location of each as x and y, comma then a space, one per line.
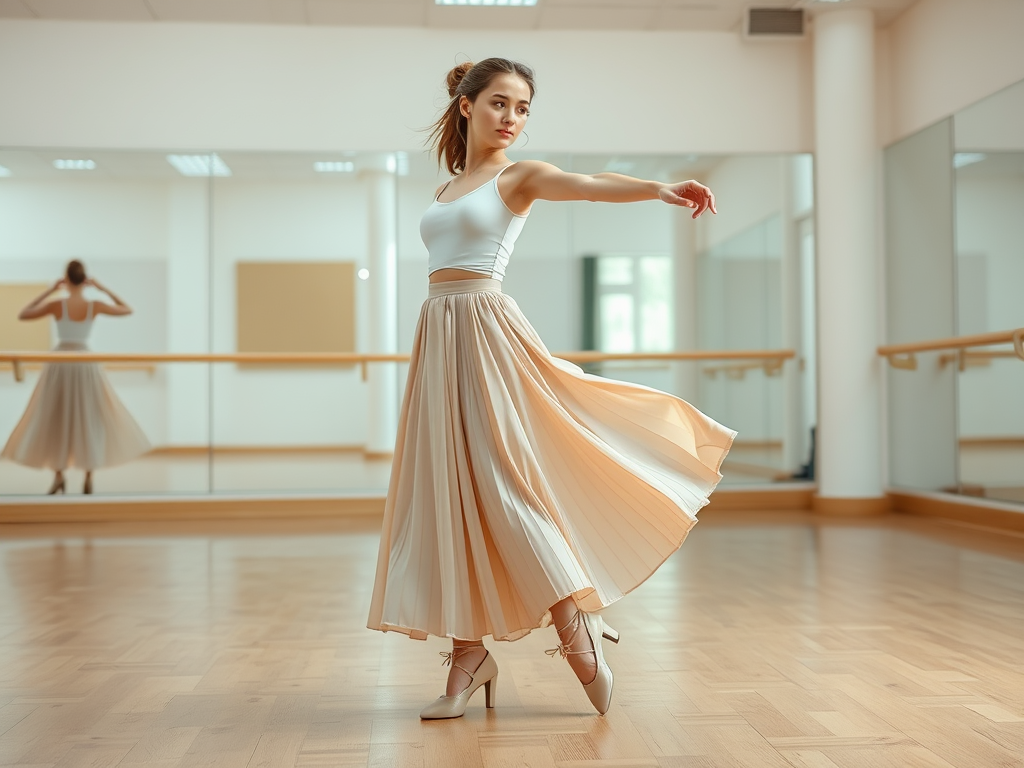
961, 159
520, 3
74, 165
364, 274
199, 165
4, 172
334, 166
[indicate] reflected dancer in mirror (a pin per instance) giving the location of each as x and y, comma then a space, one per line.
74, 418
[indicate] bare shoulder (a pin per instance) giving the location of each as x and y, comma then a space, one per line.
532, 168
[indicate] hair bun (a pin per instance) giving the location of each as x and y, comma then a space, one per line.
455, 76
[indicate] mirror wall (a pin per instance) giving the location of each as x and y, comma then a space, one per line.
260, 252
955, 252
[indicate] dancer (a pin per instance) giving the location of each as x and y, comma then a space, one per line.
74, 418
523, 491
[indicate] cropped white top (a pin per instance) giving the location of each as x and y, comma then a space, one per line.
74, 331
475, 232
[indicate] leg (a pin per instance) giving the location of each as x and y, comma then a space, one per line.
468, 654
87, 488
573, 635
58, 483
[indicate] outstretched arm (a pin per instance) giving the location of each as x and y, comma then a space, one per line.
36, 308
102, 308
543, 181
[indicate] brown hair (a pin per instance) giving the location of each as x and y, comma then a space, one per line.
448, 133
75, 272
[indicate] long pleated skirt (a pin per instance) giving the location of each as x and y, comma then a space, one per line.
519, 480
75, 419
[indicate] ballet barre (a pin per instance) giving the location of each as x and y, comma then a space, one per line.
904, 356
767, 358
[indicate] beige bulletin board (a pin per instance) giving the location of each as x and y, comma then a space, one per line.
23, 335
296, 306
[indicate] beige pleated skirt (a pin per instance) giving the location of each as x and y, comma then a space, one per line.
75, 419
519, 480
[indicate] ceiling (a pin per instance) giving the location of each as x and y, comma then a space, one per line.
720, 15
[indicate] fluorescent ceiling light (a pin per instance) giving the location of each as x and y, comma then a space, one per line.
334, 166
961, 159
199, 165
74, 165
4, 171
520, 3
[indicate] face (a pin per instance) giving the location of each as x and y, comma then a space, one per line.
498, 115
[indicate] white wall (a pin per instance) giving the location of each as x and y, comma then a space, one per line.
943, 55
70, 84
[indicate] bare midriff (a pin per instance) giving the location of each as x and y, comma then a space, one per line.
443, 275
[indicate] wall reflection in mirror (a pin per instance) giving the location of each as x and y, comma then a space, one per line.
955, 250
230, 252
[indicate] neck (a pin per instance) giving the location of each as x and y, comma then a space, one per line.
477, 158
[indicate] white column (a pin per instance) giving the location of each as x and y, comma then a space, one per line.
382, 419
849, 435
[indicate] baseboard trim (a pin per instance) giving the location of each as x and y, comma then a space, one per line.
203, 450
792, 496
99, 509
138, 509
971, 510
833, 506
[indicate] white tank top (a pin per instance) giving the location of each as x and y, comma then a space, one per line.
74, 331
475, 232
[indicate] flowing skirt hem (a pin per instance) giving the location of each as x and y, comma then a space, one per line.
520, 480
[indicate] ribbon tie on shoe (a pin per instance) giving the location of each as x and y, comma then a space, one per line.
448, 656
561, 649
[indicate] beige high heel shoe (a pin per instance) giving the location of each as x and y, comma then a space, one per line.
599, 690
57, 487
445, 707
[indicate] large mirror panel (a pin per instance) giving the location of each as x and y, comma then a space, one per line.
989, 172
261, 262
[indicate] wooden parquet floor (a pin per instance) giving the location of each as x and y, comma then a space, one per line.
769, 640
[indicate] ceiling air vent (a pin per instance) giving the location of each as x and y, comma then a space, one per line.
773, 24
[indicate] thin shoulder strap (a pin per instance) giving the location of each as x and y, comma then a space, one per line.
437, 197
502, 171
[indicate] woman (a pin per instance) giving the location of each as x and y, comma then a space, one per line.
523, 491
74, 418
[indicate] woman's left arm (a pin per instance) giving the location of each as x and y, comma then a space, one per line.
543, 181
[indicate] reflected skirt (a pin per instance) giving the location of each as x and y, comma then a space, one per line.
74, 419
519, 480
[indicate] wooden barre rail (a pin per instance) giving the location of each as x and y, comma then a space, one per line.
18, 359
738, 371
904, 356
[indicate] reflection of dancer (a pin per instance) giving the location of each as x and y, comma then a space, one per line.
523, 490
74, 418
